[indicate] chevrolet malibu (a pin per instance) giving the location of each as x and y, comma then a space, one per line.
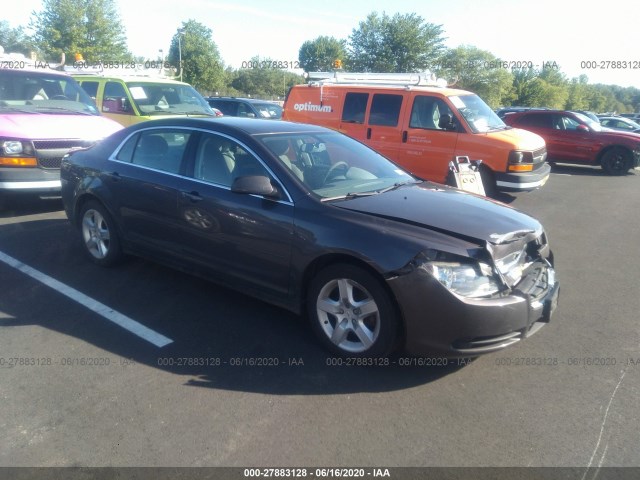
313, 221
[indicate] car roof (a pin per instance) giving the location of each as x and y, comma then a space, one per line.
36, 70
250, 100
249, 126
129, 78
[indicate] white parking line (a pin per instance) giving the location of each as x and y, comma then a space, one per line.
100, 308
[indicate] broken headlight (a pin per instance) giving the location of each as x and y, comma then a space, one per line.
471, 280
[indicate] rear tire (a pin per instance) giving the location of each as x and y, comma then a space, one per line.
99, 234
616, 161
351, 312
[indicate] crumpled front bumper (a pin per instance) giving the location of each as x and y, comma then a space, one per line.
439, 322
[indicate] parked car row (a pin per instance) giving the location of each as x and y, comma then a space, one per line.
620, 123
246, 107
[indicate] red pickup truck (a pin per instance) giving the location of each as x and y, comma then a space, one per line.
572, 137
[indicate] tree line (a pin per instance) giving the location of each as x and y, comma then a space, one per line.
380, 43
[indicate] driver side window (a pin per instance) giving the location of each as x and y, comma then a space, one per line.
115, 99
427, 111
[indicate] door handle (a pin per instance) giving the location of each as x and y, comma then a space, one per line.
191, 196
404, 136
369, 133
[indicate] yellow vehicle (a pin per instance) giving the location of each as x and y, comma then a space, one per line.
136, 97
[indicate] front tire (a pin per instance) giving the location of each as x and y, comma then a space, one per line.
99, 234
616, 161
351, 312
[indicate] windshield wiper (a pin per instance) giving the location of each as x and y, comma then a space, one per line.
18, 110
62, 109
349, 196
368, 193
394, 186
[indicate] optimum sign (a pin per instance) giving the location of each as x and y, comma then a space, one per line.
310, 107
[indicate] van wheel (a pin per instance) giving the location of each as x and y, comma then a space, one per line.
616, 161
351, 312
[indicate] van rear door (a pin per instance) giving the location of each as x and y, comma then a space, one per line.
427, 147
375, 119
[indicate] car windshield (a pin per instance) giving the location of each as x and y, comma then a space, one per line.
23, 91
478, 114
168, 99
269, 110
333, 166
595, 126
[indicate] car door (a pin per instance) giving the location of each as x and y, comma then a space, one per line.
573, 140
114, 103
144, 179
426, 148
240, 238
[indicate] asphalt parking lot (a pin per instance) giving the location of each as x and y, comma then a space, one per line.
140, 365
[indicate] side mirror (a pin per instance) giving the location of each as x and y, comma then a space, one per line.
124, 104
582, 128
255, 185
446, 122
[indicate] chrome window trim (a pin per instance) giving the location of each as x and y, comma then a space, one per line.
114, 154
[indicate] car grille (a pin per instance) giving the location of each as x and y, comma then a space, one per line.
50, 162
50, 152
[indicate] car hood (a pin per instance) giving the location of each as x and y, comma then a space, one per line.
524, 139
48, 126
619, 134
450, 211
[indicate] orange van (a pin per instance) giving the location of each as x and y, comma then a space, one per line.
421, 126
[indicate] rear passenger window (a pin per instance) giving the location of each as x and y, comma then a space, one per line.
160, 149
125, 153
542, 120
385, 110
355, 105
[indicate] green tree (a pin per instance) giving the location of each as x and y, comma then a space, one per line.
89, 27
402, 43
318, 55
528, 89
578, 94
201, 66
14, 40
479, 71
555, 88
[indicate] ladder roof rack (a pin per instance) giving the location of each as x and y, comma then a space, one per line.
425, 79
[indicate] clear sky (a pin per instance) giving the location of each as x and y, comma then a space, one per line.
569, 32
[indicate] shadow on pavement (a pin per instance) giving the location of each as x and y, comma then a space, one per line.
221, 338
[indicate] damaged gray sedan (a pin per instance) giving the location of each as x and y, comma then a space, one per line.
308, 219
